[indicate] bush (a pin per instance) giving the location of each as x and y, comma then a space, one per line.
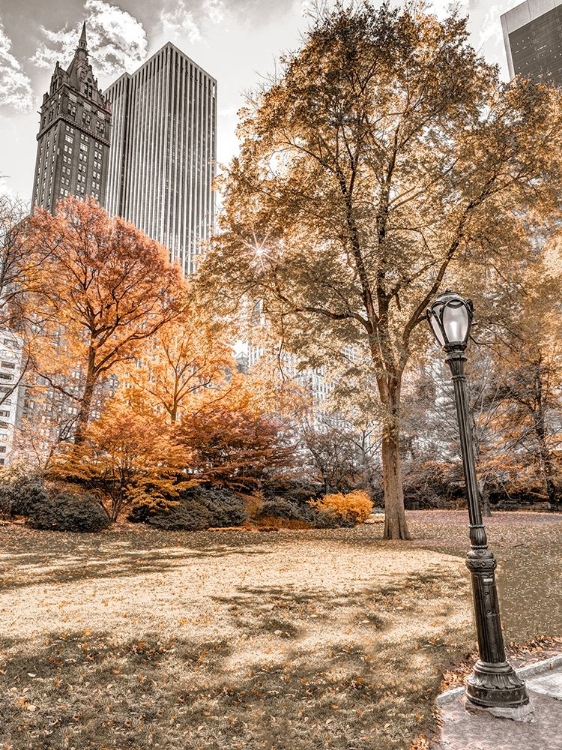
199, 508
355, 507
279, 507
25, 495
296, 515
432, 484
20, 488
188, 515
68, 511
294, 492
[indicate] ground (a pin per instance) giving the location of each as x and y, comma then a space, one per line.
136, 638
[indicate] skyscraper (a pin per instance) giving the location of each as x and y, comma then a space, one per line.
163, 152
532, 34
74, 132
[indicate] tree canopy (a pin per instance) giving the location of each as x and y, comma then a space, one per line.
386, 161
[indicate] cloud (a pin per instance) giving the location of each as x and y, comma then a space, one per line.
15, 86
214, 10
116, 40
490, 26
179, 21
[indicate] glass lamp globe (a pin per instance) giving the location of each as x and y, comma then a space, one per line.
450, 317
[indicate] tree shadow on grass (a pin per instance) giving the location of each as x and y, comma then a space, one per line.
286, 611
89, 691
23, 569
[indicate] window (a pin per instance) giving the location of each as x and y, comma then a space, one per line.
4, 425
2, 450
4, 413
83, 147
69, 138
72, 110
8, 365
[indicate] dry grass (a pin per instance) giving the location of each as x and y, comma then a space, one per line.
298, 639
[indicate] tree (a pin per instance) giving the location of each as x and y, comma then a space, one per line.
19, 276
106, 287
128, 457
20, 264
184, 361
385, 162
233, 442
529, 362
341, 454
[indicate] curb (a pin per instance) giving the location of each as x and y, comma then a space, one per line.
525, 672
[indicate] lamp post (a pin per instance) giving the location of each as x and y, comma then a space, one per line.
493, 682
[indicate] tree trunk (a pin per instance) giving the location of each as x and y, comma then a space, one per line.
86, 400
545, 458
395, 526
484, 497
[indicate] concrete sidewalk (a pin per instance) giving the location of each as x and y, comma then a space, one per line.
466, 730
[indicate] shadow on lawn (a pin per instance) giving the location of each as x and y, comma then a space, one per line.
88, 691
23, 569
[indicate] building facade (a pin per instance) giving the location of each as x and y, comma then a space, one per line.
532, 35
163, 152
12, 392
74, 135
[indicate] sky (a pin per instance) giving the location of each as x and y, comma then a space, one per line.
237, 41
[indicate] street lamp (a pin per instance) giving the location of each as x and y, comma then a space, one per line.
493, 682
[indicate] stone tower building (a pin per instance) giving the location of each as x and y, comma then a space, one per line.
74, 135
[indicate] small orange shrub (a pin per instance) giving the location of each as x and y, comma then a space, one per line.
356, 506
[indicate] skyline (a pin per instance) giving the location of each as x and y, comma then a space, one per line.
236, 41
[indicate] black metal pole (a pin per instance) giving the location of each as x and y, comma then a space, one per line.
493, 682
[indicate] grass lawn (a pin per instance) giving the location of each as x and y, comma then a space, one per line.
137, 638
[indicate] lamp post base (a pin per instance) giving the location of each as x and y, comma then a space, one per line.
496, 686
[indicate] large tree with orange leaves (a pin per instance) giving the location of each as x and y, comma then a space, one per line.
106, 288
185, 362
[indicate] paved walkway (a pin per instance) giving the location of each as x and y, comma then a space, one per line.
464, 730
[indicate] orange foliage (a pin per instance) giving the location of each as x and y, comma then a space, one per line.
129, 457
356, 506
231, 441
106, 287
183, 363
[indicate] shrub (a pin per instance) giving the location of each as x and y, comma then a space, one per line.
25, 495
279, 507
293, 491
226, 507
198, 508
355, 507
284, 513
188, 515
68, 511
20, 488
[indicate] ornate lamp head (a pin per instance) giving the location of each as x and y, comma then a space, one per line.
450, 318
